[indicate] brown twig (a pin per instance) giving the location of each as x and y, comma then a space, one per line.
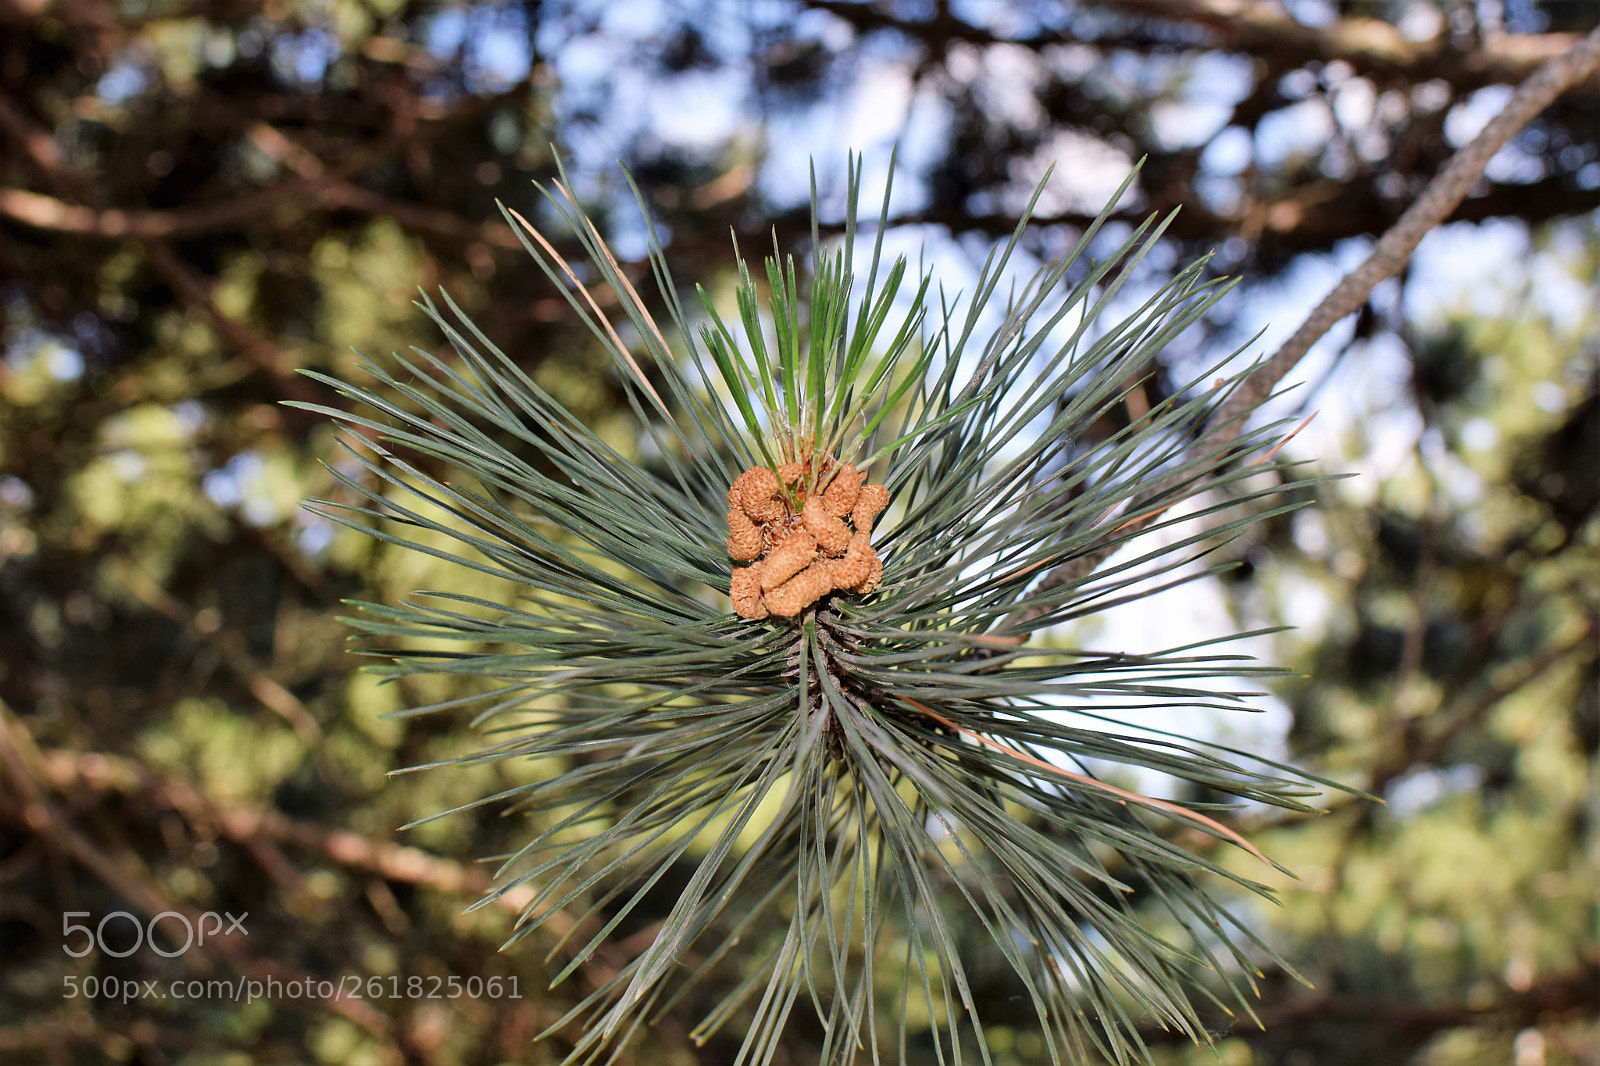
1463, 714
315, 184
235, 655
196, 292
48, 213
1571, 993
74, 771
192, 289
1393, 250
1443, 194
40, 149
1369, 45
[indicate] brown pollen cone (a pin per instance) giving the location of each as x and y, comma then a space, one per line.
788, 559
840, 496
875, 576
745, 541
797, 559
801, 591
745, 592
853, 569
758, 494
869, 504
832, 535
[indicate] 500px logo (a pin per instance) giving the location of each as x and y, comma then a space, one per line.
96, 937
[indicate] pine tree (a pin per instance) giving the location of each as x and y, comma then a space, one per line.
899, 490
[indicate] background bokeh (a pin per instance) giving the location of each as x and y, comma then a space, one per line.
200, 197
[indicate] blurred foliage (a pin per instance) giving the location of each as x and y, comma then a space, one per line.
198, 199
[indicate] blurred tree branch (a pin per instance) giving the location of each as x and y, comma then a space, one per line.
1279, 226
1441, 198
1572, 993
124, 871
1449, 724
1370, 45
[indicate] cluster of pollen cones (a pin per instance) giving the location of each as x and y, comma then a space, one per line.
796, 559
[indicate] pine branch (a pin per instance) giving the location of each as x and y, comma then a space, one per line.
857, 736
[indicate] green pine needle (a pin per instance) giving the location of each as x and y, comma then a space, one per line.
863, 790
